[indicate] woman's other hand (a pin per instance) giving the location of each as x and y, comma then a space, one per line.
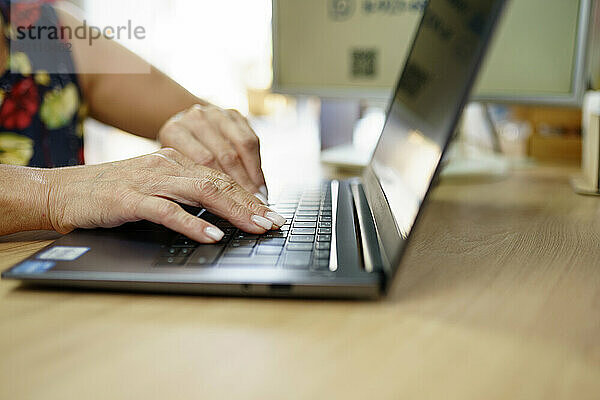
147, 188
219, 139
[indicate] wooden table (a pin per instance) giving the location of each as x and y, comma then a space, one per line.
499, 298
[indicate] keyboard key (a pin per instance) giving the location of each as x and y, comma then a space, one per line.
324, 224
184, 242
287, 210
224, 224
302, 209
324, 231
225, 239
320, 265
265, 260
302, 238
173, 251
306, 219
323, 246
297, 259
268, 250
245, 236
307, 213
292, 204
284, 208
185, 251
275, 234
279, 242
305, 224
304, 231
238, 251
243, 243
324, 238
171, 261
299, 246
326, 213
326, 219
285, 228
205, 254
322, 254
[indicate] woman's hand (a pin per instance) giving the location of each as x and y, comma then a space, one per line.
219, 139
146, 188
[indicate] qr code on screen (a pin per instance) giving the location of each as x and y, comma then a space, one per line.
364, 63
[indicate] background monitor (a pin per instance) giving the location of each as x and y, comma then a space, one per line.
355, 48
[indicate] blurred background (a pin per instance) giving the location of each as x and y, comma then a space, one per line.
528, 101
218, 50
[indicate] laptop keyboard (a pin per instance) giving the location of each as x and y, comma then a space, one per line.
303, 243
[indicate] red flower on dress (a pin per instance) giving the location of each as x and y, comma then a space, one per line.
20, 105
25, 13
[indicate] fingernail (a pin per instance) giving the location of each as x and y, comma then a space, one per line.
261, 197
264, 191
262, 222
214, 233
276, 218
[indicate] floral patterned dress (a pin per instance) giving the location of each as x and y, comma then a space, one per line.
41, 114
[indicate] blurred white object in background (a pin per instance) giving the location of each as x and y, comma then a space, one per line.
106, 144
215, 49
588, 182
357, 155
473, 154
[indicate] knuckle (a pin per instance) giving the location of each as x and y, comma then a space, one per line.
159, 160
167, 130
166, 210
234, 113
169, 125
169, 152
239, 211
249, 143
211, 108
206, 187
197, 113
229, 159
225, 184
187, 223
223, 179
152, 160
206, 158
202, 126
127, 200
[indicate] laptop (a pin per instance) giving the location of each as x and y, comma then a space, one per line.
344, 239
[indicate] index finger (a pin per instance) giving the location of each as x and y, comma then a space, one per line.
246, 142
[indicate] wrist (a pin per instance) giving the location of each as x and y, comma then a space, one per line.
23, 199
36, 192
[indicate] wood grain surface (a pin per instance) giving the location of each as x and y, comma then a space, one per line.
498, 298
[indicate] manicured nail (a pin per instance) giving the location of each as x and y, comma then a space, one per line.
276, 218
261, 197
264, 191
214, 233
262, 222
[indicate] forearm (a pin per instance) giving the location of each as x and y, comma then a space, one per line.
140, 103
136, 103
23, 199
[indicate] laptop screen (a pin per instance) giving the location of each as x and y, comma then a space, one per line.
434, 84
